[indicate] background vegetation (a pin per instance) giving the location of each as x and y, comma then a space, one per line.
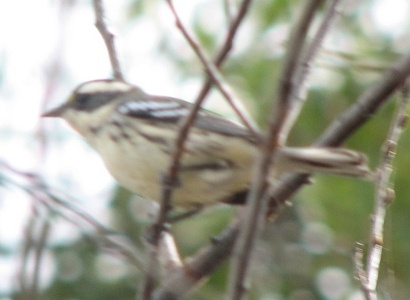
48, 250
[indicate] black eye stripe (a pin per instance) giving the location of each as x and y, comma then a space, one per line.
91, 101
82, 99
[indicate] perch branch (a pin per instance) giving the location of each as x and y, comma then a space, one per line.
108, 38
170, 177
349, 121
255, 209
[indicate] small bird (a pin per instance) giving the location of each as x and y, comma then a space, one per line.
135, 132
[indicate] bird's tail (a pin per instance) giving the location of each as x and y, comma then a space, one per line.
336, 161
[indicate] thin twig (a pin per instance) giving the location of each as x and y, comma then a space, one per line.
168, 255
367, 104
170, 177
228, 10
351, 120
108, 38
254, 209
43, 195
39, 247
226, 46
384, 196
36, 233
109, 238
300, 88
214, 74
360, 273
27, 245
179, 284
233, 29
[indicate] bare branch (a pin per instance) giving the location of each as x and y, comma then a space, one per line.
349, 121
300, 88
39, 247
29, 242
360, 273
65, 209
108, 38
384, 196
233, 29
255, 205
168, 255
367, 105
170, 177
228, 10
214, 74
226, 45
181, 283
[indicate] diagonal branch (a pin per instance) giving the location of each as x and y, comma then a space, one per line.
170, 179
255, 206
367, 105
214, 74
384, 196
108, 38
225, 49
300, 88
179, 284
347, 123
42, 194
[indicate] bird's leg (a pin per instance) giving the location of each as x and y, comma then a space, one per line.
184, 215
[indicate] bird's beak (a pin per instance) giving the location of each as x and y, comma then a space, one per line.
56, 112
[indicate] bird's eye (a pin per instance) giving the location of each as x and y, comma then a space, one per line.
81, 101
92, 101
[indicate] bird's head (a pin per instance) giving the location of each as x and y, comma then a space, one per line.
89, 101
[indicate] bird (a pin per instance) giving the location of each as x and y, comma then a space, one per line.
134, 133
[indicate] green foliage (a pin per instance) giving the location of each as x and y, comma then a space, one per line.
342, 206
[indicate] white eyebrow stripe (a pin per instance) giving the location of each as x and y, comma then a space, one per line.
103, 86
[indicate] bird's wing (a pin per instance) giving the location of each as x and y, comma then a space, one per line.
172, 110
